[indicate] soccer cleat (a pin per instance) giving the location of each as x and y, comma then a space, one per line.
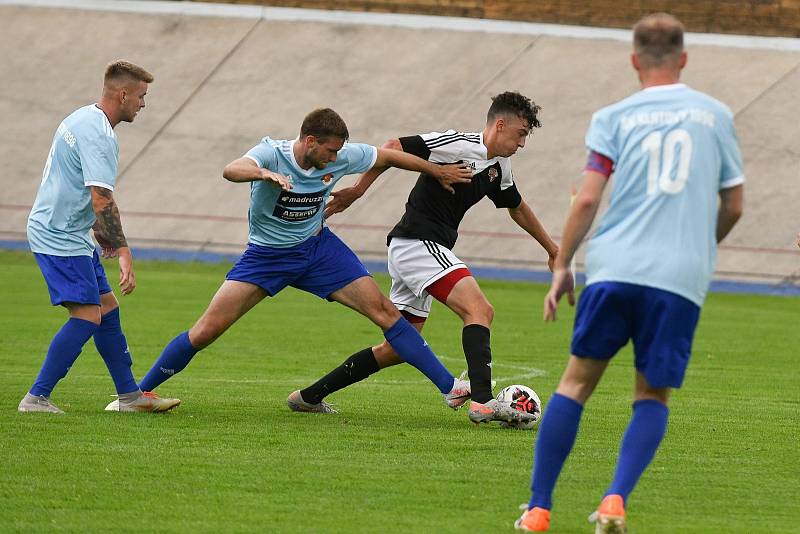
534, 520
459, 394
146, 402
494, 410
297, 404
610, 516
40, 403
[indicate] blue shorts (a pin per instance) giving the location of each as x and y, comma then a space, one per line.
321, 265
78, 279
661, 325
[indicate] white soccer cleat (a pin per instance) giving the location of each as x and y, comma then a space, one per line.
297, 404
147, 402
40, 403
495, 410
460, 393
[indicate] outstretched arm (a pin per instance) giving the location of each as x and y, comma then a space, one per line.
577, 226
341, 199
447, 175
246, 170
108, 232
731, 203
525, 218
391, 154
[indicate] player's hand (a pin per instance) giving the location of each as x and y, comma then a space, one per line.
551, 261
341, 200
456, 173
107, 250
285, 182
127, 280
798, 240
563, 282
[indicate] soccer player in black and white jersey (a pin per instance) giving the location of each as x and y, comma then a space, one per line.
421, 262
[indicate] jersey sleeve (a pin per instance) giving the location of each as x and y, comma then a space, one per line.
360, 157
264, 155
415, 144
507, 196
98, 155
441, 147
600, 136
731, 172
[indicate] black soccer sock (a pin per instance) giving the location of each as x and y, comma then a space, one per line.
475, 339
354, 369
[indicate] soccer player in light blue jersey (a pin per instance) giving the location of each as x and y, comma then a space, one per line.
75, 196
289, 245
677, 192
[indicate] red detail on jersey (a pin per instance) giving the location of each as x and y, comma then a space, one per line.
442, 287
599, 163
411, 318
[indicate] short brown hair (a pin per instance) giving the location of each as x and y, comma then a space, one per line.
658, 38
515, 104
121, 69
323, 123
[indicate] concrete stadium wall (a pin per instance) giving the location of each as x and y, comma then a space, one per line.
748, 17
224, 82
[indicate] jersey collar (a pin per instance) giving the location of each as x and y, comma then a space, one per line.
306, 172
668, 87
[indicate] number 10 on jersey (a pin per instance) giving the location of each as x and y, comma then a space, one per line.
662, 149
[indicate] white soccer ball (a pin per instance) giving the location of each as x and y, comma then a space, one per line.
524, 399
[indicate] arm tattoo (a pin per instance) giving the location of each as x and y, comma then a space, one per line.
108, 221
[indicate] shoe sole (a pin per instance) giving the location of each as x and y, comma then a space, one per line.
114, 407
610, 524
37, 410
457, 402
295, 407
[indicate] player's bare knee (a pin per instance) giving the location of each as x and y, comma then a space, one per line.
384, 313
204, 333
85, 312
487, 310
480, 312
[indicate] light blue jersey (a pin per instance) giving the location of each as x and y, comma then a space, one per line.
674, 149
285, 218
84, 153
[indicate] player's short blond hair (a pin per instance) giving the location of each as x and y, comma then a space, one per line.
658, 39
122, 70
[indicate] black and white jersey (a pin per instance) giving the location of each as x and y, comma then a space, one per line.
434, 214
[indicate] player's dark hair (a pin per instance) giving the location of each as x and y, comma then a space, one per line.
324, 123
120, 70
658, 38
515, 104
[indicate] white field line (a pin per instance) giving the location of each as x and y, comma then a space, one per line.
517, 373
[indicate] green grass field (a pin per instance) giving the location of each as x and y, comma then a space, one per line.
234, 458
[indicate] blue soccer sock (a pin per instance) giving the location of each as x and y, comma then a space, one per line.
175, 357
64, 350
409, 345
554, 442
639, 444
113, 348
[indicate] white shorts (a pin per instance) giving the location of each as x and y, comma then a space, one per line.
414, 265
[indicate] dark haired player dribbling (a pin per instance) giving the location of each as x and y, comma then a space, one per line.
421, 261
289, 245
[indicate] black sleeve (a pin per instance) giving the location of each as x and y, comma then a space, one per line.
507, 198
414, 144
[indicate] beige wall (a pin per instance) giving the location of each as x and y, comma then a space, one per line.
223, 83
746, 17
